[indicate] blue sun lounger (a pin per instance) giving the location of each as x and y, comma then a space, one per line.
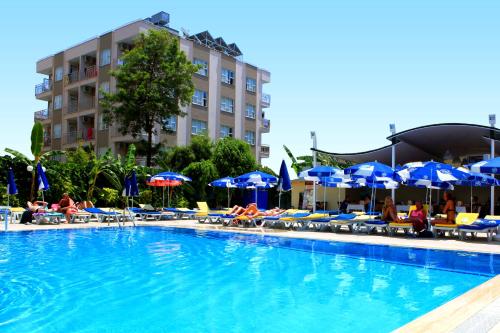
181, 213
146, 214
488, 225
105, 216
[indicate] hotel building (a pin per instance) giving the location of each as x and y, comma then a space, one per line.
228, 98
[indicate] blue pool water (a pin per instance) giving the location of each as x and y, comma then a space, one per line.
153, 279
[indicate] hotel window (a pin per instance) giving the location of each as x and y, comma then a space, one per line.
198, 127
251, 85
204, 67
250, 137
57, 102
227, 76
59, 74
250, 111
105, 58
57, 131
171, 123
200, 98
227, 104
104, 87
226, 131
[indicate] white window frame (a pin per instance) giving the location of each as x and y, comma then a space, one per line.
227, 104
59, 73
252, 87
105, 57
171, 123
224, 133
57, 102
248, 114
57, 131
250, 137
103, 86
200, 100
227, 76
198, 130
203, 71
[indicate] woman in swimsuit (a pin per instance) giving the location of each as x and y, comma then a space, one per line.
449, 210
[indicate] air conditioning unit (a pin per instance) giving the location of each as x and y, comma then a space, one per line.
87, 89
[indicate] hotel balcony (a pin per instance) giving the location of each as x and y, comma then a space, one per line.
266, 126
115, 133
47, 141
42, 90
266, 76
85, 135
265, 101
42, 115
264, 151
76, 76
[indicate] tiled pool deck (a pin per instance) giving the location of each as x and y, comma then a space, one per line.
475, 311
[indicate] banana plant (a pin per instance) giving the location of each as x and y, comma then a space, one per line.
38, 155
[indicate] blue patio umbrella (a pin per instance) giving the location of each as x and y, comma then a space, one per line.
42, 183
256, 179
476, 179
322, 172
226, 182
11, 185
372, 173
169, 176
131, 189
284, 183
488, 166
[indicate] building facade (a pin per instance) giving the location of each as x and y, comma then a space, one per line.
228, 98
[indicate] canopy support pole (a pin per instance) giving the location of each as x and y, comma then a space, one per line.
393, 166
492, 189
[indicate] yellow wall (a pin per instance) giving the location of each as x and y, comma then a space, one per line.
333, 195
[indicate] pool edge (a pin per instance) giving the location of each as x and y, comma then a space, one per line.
454, 313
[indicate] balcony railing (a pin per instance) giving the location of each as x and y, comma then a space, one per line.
89, 72
45, 86
264, 151
265, 101
72, 106
72, 77
87, 104
85, 135
266, 125
42, 115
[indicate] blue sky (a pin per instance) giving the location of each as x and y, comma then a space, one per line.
344, 68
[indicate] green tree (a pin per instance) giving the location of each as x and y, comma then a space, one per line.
301, 163
202, 173
154, 82
233, 157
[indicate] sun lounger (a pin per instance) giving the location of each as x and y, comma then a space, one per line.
106, 216
48, 218
206, 215
301, 220
461, 219
350, 220
181, 213
146, 215
80, 216
407, 227
488, 225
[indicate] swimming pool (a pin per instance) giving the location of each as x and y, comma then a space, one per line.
154, 279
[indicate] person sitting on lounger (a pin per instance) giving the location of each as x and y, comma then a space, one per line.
448, 210
418, 217
67, 206
389, 212
33, 207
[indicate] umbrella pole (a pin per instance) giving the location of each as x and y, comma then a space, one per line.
168, 196
324, 194
228, 202
43, 199
256, 195
8, 199
471, 198
279, 199
163, 196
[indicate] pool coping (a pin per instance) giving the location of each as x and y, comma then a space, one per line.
445, 318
